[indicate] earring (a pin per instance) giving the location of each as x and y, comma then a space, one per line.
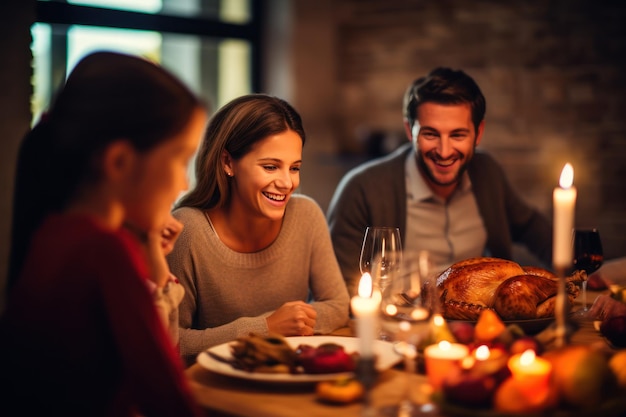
230, 174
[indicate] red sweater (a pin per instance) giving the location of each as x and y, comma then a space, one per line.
81, 336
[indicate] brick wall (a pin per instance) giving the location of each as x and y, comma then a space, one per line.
552, 72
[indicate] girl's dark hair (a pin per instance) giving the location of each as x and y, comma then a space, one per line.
444, 86
235, 128
107, 97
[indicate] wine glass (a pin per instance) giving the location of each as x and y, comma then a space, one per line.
405, 315
381, 254
588, 256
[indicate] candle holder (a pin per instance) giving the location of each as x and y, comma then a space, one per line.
366, 374
561, 311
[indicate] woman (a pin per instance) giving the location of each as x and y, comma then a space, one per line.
252, 253
98, 175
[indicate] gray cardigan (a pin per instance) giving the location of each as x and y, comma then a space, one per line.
363, 195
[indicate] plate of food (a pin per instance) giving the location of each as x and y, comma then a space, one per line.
302, 359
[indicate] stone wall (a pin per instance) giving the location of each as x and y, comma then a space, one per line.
552, 73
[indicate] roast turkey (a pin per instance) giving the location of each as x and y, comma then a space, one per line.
514, 292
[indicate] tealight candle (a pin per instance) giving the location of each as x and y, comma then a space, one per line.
490, 361
564, 201
482, 352
531, 373
441, 359
365, 307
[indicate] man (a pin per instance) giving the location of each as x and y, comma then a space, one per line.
445, 196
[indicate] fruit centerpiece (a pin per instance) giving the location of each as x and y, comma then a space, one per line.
509, 373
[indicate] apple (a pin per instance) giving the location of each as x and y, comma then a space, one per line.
469, 388
462, 331
524, 343
582, 376
614, 329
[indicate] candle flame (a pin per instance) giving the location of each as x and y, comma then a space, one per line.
405, 326
444, 345
482, 352
438, 320
419, 314
527, 357
391, 310
567, 176
365, 285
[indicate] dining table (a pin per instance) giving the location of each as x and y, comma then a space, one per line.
226, 396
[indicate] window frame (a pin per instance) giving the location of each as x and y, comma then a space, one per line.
66, 14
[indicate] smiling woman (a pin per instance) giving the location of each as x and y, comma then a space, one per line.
253, 256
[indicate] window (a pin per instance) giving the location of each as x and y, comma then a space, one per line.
212, 45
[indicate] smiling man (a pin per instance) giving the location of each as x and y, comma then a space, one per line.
446, 196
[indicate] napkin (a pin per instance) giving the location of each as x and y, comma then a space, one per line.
605, 307
612, 316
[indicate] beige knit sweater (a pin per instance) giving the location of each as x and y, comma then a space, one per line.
229, 294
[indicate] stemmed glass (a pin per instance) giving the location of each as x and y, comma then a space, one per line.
381, 254
405, 314
588, 256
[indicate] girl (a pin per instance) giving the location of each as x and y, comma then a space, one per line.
81, 335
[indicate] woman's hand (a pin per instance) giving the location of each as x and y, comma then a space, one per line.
294, 318
158, 244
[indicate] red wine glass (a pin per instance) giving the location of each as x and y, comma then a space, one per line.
588, 255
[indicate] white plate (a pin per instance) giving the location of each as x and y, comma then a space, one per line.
386, 357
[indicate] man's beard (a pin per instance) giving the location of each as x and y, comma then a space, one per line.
423, 167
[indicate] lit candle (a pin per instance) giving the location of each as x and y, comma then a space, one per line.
365, 307
564, 201
531, 373
442, 359
482, 352
490, 361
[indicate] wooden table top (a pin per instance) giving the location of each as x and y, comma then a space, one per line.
225, 396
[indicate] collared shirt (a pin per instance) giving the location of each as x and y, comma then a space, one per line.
449, 230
